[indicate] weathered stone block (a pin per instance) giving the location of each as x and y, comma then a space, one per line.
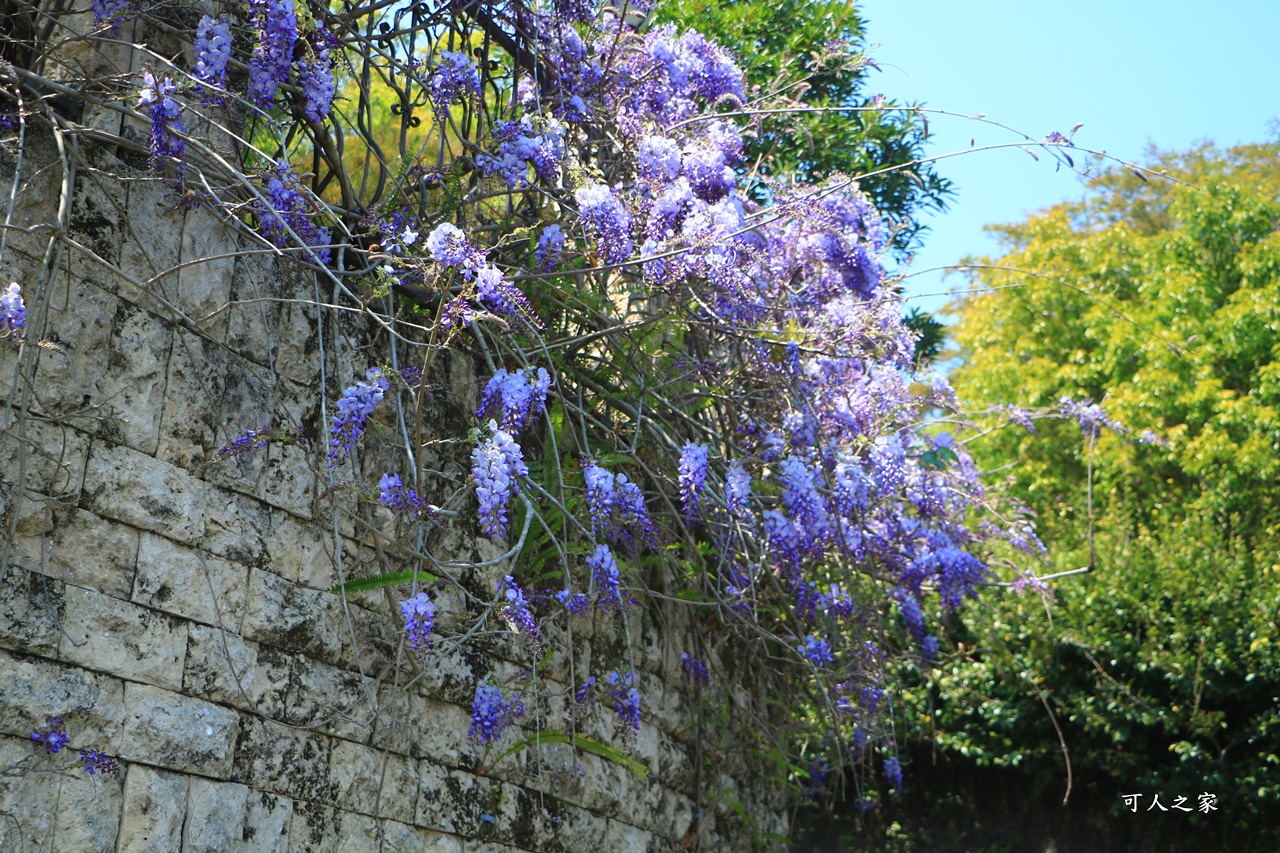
284, 615
36, 689
273, 757
155, 806
127, 486
114, 636
177, 732
81, 548
224, 817
331, 700
187, 583
31, 611
225, 668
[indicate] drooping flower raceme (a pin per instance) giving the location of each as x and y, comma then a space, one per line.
166, 118
694, 668
13, 313
213, 51
491, 713
357, 403
817, 651
318, 85
395, 494
604, 574
516, 612
449, 246
277, 25
419, 619
516, 398
550, 244
606, 220
497, 465
286, 209
693, 476
626, 701
454, 78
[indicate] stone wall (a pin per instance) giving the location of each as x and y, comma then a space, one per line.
250, 708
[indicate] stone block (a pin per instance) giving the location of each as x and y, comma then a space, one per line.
80, 548
110, 635
36, 689
455, 801
31, 611
44, 457
624, 838
155, 807
411, 724
177, 732
396, 836
315, 828
225, 668
304, 621
189, 584
208, 268
253, 315
331, 700
26, 820
132, 386
301, 552
128, 486
223, 817
374, 782
278, 758
236, 528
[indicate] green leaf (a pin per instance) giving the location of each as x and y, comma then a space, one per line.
379, 581
581, 742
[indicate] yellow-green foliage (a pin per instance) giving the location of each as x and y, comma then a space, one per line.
1160, 299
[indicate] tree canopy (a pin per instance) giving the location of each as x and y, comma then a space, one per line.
1160, 300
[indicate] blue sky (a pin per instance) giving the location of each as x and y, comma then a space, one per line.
1171, 73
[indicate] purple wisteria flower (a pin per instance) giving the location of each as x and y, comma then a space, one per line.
517, 398
277, 26
606, 220
893, 772
286, 208
357, 403
318, 84
455, 78
737, 489
577, 603
256, 439
419, 620
399, 497
502, 296
616, 506
496, 466
213, 51
692, 477
112, 12
54, 738
929, 648
13, 312
1089, 416
448, 245
95, 763
491, 713
550, 244
516, 612
816, 650
694, 668
604, 574
166, 118
626, 702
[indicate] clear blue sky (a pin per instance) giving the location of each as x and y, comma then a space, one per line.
1171, 73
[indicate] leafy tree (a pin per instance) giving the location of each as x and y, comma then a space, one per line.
814, 52
1161, 301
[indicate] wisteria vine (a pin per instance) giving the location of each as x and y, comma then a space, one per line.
688, 396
